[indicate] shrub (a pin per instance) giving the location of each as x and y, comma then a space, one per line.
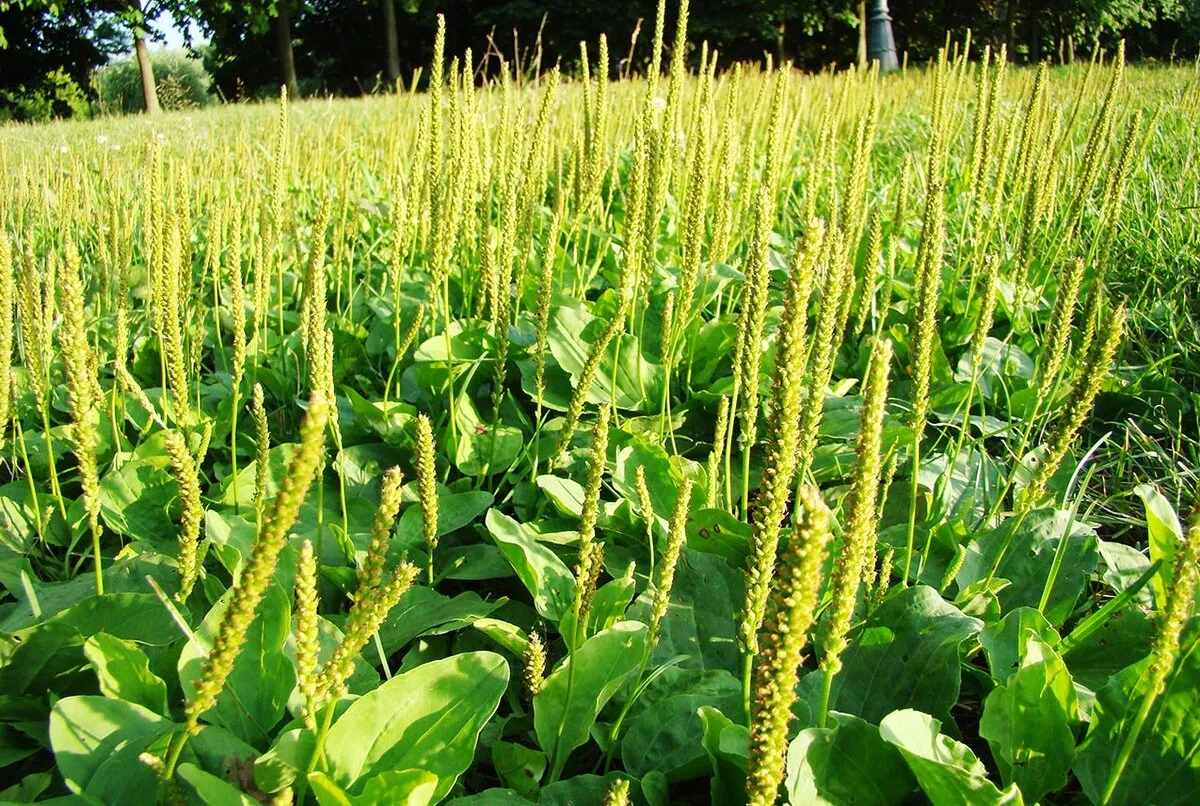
57, 95
181, 80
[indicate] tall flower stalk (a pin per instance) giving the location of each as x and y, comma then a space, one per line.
790, 616
257, 573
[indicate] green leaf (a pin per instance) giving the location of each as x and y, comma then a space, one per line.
455, 510
135, 500
1123, 567
214, 748
45, 661
1026, 563
999, 360
256, 692
565, 494
715, 531
285, 761
1027, 721
699, 623
848, 762
401, 787
1122, 639
1164, 766
727, 747
472, 563
123, 576
483, 446
967, 488
520, 768
948, 772
1164, 535
492, 797
906, 656
28, 789
212, 790
278, 459
392, 422
131, 616
428, 719
609, 604
544, 574
663, 477
666, 733
424, 611
362, 467
328, 793
124, 672
571, 338
1008, 641
508, 636
575, 692
97, 742
580, 790
47, 656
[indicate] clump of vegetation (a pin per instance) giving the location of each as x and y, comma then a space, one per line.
180, 79
735, 436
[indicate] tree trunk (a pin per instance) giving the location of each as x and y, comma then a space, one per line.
283, 48
862, 33
149, 91
392, 68
1010, 37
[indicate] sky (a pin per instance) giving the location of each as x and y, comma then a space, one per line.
173, 32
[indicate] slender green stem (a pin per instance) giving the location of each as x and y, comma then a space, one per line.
33, 495
49, 440
912, 513
747, 681
449, 359
746, 479
826, 692
174, 751
233, 448
728, 448
556, 763
99, 560
1125, 750
318, 751
616, 728
1060, 551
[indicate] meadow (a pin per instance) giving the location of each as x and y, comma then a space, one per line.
721, 436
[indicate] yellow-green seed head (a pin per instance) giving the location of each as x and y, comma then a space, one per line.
184, 467
618, 793
427, 481
371, 573
307, 640
259, 570
858, 541
790, 615
534, 659
676, 537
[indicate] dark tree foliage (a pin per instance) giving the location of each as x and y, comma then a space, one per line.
45, 54
340, 46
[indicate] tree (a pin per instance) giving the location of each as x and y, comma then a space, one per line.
281, 22
392, 42
135, 16
253, 17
